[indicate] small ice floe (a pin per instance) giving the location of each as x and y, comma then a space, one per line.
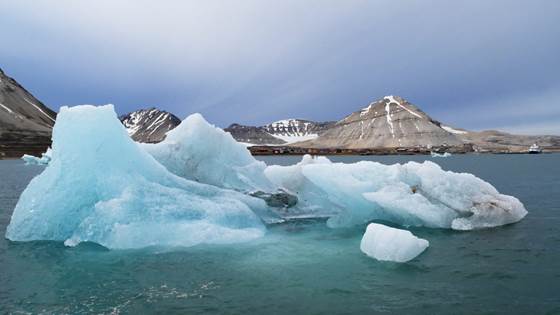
445, 154
390, 244
34, 160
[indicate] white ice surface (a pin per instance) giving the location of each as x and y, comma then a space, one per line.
201, 152
390, 244
419, 194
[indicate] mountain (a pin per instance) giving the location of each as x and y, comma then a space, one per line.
390, 122
286, 131
149, 125
25, 123
388, 125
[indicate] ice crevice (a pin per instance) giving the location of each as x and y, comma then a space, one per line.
200, 186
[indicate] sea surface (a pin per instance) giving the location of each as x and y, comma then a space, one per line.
305, 267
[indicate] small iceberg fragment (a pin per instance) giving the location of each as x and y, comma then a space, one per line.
390, 244
440, 155
34, 160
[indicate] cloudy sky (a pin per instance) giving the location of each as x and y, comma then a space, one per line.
475, 64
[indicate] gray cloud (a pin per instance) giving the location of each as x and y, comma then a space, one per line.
256, 61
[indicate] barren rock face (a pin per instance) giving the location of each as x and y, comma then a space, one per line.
253, 135
25, 122
390, 122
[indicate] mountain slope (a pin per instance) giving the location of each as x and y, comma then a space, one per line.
149, 125
286, 131
498, 141
253, 135
391, 122
25, 123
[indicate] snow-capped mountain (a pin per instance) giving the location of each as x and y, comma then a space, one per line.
25, 123
296, 130
149, 125
390, 122
286, 131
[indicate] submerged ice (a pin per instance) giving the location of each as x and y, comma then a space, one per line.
200, 186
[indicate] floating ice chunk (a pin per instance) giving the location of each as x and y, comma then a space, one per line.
33, 160
444, 155
390, 244
199, 151
409, 194
100, 186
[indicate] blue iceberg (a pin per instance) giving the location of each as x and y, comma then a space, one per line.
101, 187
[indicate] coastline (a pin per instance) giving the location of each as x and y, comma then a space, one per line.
273, 151
290, 150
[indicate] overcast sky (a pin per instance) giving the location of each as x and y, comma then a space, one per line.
472, 64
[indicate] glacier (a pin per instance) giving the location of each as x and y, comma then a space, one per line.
101, 187
201, 186
390, 244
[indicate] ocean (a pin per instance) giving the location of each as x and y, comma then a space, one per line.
304, 267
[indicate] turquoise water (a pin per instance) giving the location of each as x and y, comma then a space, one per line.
304, 267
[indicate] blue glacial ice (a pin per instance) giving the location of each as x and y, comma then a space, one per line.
195, 187
390, 244
100, 186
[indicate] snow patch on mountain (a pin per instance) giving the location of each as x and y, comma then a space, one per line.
6, 108
392, 100
453, 130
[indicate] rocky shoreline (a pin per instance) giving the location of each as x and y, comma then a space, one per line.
466, 149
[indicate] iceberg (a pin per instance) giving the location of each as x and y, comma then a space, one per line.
442, 155
411, 194
390, 244
101, 187
199, 186
198, 151
34, 160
